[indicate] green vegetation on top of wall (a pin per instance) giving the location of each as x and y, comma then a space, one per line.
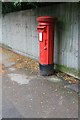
8, 7
14, 6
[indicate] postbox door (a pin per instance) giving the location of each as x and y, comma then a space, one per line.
43, 44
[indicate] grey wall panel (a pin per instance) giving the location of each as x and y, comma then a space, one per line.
1, 28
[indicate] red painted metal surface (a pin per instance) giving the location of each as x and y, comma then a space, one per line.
46, 39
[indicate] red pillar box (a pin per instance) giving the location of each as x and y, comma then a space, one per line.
46, 40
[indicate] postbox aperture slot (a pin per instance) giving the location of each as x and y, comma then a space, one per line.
41, 28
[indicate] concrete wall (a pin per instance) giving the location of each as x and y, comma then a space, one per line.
0, 29
20, 33
0, 22
79, 40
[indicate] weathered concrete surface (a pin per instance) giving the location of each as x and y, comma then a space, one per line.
29, 95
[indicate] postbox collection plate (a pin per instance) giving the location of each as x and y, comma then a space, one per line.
40, 36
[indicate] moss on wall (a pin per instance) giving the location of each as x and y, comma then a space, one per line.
71, 71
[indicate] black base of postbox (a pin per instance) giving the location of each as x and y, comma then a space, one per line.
46, 70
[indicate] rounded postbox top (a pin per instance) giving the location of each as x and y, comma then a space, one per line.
46, 19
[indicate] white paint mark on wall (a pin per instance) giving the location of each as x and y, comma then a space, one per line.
20, 79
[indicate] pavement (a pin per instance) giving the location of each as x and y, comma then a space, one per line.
26, 94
